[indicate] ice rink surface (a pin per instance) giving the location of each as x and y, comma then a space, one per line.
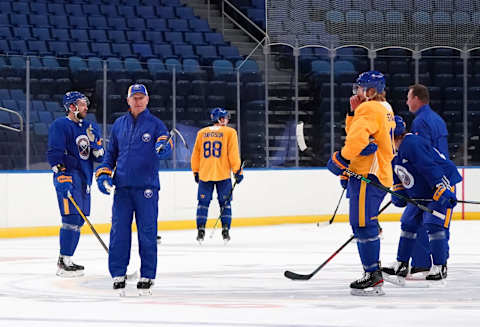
240, 284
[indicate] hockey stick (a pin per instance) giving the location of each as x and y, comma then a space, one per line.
326, 223
294, 276
229, 198
70, 197
386, 189
172, 133
459, 201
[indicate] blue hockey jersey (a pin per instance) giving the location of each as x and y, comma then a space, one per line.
68, 144
131, 150
419, 167
429, 125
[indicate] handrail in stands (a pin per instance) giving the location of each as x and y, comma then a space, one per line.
19, 130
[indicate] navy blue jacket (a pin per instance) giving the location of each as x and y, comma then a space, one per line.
429, 125
131, 150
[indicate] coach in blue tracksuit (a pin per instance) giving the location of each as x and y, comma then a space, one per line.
137, 141
432, 128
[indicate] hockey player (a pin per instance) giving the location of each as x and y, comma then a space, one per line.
214, 156
421, 171
73, 145
430, 126
370, 119
137, 141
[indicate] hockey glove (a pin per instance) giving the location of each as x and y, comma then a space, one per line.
344, 181
96, 142
164, 147
445, 196
239, 176
103, 174
62, 181
369, 149
397, 201
337, 164
195, 175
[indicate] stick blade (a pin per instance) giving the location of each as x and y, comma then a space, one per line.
294, 276
300, 137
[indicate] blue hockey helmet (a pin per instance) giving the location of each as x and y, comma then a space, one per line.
72, 97
400, 126
218, 113
370, 80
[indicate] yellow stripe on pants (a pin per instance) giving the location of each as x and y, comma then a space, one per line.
361, 204
66, 208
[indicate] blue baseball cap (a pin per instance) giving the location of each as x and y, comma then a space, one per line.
136, 88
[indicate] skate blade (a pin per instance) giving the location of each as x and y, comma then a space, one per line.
121, 292
394, 279
70, 274
200, 242
142, 292
370, 291
417, 276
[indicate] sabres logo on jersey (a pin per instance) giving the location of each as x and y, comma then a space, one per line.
83, 145
148, 193
405, 176
146, 137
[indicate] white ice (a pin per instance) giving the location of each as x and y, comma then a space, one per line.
240, 284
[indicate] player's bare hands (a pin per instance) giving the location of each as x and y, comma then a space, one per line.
355, 101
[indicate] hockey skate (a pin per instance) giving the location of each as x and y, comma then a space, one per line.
396, 273
369, 285
144, 286
66, 268
225, 235
119, 284
201, 235
437, 272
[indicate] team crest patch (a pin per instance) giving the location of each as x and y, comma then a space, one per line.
146, 137
83, 145
405, 177
148, 193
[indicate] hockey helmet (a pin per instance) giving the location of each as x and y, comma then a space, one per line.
72, 97
400, 126
218, 113
370, 80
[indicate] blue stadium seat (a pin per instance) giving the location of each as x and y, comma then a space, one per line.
174, 37
184, 12
194, 38
5, 7
394, 17
5, 32
59, 21
192, 70
73, 9
77, 64
461, 18
421, 18
116, 36
4, 94
184, 51
39, 21
53, 68
40, 129
134, 68
157, 69
4, 46
81, 49
214, 38
207, 54
91, 9
102, 50
157, 24
116, 69
17, 94
10, 104
229, 52
163, 50
42, 34
154, 37
199, 25
60, 48
60, 34
136, 24
53, 106
78, 22
98, 35
249, 71
173, 63
109, 10
146, 12
56, 8
122, 50
117, 23
135, 36
22, 33
335, 17
127, 11
19, 20
223, 70
441, 18
38, 48
354, 17
98, 22
37, 105
166, 12
179, 25
95, 64
4, 20
144, 50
